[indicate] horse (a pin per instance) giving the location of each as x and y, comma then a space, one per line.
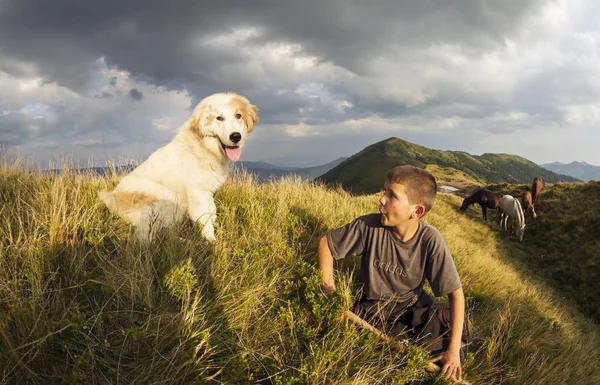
485, 198
511, 207
527, 205
536, 187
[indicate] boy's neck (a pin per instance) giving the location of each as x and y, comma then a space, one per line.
406, 231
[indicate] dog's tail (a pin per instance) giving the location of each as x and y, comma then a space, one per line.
109, 200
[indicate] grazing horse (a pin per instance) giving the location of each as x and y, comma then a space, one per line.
536, 187
487, 200
511, 207
527, 205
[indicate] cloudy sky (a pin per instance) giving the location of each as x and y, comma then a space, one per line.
115, 79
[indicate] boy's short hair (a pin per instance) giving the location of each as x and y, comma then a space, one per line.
420, 185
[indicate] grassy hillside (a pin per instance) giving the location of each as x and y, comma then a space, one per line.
80, 302
562, 245
364, 172
447, 176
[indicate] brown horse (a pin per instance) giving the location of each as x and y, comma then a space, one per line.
527, 205
485, 198
536, 187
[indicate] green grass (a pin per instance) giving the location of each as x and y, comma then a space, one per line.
80, 301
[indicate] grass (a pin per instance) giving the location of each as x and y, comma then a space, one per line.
80, 301
448, 176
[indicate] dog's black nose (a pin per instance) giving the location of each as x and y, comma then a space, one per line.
235, 137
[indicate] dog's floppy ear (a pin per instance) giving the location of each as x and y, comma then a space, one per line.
201, 117
251, 116
248, 111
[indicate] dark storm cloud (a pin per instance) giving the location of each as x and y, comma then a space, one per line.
135, 94
160, 43
394, 59
158, 39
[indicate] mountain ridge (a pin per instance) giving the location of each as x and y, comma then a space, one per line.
364, 172
579, 170
264, 171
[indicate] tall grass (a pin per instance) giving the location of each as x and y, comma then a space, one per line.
81, 301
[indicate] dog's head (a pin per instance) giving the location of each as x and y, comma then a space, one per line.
228, 118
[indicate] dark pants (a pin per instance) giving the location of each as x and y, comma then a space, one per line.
425, 322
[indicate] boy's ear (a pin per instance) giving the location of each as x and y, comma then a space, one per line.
419, 211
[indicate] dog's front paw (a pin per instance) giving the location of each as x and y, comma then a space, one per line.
209, 235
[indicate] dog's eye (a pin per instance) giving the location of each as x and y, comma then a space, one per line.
238, 116
220, 118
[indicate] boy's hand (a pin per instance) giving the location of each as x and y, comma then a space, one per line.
451, 364
327, 288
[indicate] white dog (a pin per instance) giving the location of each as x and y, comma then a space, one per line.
182, 176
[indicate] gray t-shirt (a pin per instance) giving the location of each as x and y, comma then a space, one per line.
393, 270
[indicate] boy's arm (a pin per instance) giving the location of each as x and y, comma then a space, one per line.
326, 265
451, 358
457, 318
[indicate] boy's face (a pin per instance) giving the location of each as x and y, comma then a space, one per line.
395, 208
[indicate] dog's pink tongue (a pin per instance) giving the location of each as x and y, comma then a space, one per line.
233, 153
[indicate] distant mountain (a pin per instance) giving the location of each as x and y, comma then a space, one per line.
579, 170
99, 171
364, 172
260, 166
265, 171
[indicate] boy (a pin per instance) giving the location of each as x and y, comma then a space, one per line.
399, 251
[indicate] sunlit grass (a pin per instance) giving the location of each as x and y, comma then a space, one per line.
80, 301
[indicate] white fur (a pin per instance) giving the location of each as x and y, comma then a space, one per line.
181, 177
511, 207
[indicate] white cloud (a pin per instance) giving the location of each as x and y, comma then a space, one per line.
507, 77
79, 123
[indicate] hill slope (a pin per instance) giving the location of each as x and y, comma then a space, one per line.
562, 245
579, 170
365, 171
81, 302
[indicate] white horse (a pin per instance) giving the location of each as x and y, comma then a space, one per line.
511, 207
